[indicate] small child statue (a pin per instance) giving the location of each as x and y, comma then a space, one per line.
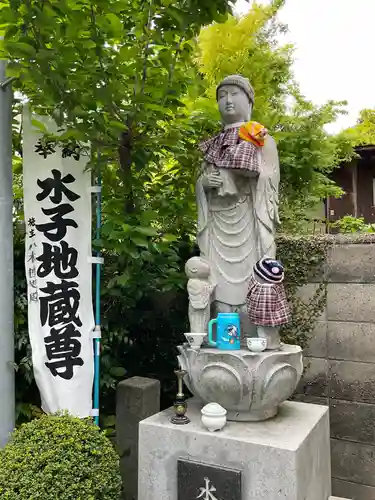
200, 291
266, 300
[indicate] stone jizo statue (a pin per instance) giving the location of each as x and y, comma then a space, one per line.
200, 290
237, 197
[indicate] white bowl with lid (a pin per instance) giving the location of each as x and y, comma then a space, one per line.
214, 417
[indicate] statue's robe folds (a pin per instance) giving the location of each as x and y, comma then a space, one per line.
237, 222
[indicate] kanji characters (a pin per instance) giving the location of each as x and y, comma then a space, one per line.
59, 259
60, 303
58, 300
63, 349
56, 184
56, 230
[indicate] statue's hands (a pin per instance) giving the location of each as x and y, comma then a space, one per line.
212, 180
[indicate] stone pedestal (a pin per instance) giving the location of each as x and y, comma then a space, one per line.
286, 458
137, 398
249, 385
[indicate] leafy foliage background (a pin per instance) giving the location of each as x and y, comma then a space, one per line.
137, 79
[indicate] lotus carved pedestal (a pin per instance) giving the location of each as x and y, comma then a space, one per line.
250, 386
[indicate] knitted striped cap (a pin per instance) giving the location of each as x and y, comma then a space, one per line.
270, 270
241, 82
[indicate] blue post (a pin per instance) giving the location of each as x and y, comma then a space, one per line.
97, 304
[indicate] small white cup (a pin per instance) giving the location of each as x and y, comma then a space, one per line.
195, 340
256, 344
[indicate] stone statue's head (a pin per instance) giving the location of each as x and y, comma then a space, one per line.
235, 97
197, 267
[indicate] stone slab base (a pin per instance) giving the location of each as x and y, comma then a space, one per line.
287, 457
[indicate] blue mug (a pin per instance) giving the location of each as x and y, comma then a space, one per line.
227, 332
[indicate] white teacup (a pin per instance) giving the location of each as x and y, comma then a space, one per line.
256, 344
195, 339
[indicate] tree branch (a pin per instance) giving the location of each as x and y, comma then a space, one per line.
145, 56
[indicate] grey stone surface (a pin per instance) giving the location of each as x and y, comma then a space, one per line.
338, 498
311, 456
200, 291
286, 457
352, 381
353, 462
317, 347
137, 398
352, 263
352, 421
316, 400
353, 491
351, 302
351, 341
344, 376
314, 381
249, 385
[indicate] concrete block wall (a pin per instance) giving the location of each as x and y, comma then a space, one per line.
340, 367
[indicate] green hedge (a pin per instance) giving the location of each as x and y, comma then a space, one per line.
305, 259
59, 458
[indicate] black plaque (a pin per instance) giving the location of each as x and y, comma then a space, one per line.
197, 481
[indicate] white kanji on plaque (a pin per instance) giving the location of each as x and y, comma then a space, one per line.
206, 493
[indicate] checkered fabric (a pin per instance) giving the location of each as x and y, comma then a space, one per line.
227, 150
267, 304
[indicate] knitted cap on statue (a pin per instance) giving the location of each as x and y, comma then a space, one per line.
240, 82
269, 270
266, 302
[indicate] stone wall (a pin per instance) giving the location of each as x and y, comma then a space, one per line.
340, 366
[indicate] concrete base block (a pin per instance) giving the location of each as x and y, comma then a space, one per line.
354, 491
284, 458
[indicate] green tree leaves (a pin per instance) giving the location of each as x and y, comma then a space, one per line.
114, 73
250, 46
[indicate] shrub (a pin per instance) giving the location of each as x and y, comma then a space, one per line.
59, 457
349, 224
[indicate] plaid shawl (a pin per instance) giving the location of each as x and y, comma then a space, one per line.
227, 150
267, 304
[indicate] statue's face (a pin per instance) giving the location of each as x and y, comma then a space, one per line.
234, 105
197, 268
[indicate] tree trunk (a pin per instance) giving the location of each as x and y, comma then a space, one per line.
125, 155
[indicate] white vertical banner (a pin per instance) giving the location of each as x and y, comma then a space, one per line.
57, 206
